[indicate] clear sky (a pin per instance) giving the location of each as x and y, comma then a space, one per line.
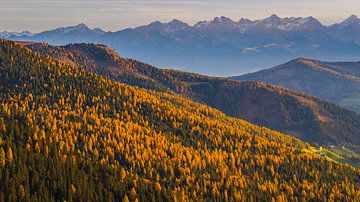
110, 15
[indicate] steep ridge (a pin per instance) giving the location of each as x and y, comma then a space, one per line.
336, 82
85, 137
298, 114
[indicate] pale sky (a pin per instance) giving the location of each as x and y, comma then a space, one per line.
111, 15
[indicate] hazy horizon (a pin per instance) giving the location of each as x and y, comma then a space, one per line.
111, 15
191, 24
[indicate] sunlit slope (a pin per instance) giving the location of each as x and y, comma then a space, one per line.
69, 134
298, 114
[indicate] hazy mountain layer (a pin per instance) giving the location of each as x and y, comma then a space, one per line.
221, 46
336, 82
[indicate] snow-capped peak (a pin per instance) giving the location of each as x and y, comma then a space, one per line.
174, 26
5, 34
272, 22
218, 23
222, 19
15, 34
217, 20
77, 28
309, 19
269, 22
168, 28
289, 24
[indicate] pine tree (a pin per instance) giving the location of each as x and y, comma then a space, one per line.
125, 199
2, 157
21, 191
9, 155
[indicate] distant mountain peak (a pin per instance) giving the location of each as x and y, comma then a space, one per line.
176, 22
274, 22
242, 20
270, 22
153, 24
311, 19
69, 29
218, 23
74, 29
174, 26
309, 22
353, 19
350, 20
82, 25
274, 16
222, 19
170, 27
15, 34
79, 26
26, 33
98, 30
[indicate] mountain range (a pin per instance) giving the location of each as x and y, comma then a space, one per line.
220, 47
301, 115
336, 82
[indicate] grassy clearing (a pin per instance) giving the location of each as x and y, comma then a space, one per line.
338, 154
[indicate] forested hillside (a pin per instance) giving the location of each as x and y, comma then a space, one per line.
292, 112
69, 134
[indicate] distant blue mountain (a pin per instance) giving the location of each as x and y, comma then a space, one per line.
61, 36
220, 47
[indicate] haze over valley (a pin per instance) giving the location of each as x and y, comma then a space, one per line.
220, 47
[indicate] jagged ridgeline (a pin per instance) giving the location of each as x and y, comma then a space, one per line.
69, 134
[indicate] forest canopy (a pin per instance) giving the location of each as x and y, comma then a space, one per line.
69, 134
